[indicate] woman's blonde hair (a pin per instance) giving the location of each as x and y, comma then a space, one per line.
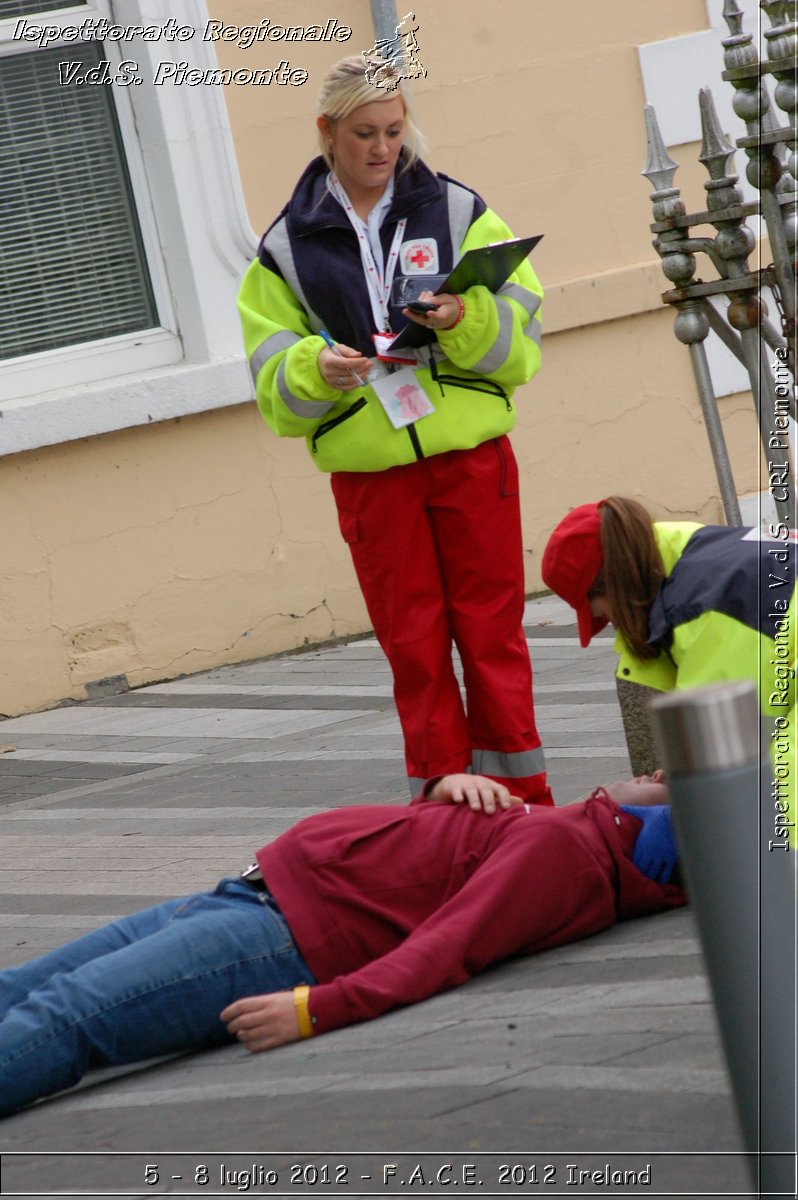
347, 86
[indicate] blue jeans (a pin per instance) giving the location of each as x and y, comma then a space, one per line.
149, 984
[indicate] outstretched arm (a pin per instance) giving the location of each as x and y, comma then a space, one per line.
513, 903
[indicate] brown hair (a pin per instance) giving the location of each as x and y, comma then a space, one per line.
632, 571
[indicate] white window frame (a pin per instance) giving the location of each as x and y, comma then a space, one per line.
198, 242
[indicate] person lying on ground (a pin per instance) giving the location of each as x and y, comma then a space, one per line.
345, 916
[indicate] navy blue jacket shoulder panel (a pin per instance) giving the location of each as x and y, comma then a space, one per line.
723, 570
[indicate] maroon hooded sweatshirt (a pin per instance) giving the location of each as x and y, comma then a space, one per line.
391, 905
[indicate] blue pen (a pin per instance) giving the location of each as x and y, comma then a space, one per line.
323, 333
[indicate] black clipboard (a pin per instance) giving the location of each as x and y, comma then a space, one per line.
489, 265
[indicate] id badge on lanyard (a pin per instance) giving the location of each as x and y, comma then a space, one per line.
403, 398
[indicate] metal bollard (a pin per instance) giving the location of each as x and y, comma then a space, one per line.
742, 887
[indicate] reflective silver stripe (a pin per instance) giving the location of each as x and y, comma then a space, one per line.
498, 352
460, 203
519, 764
312, 409
273, 345
534, 330
278, 244
530, 302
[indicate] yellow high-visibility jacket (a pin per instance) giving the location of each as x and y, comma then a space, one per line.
308, 276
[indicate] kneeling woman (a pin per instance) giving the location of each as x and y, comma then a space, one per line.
692, 604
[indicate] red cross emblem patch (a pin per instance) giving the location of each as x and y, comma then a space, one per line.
419, 257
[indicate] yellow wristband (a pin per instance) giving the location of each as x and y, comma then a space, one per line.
303, 1016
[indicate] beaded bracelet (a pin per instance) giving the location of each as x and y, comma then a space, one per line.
460, 314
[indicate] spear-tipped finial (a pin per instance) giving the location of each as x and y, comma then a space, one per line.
733, 16
660, 167
715, 148
739, 49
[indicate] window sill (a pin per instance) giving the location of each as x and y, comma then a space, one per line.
67, 414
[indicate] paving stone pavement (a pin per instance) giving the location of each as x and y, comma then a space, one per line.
597, 1057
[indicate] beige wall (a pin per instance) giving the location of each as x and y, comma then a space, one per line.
167, 549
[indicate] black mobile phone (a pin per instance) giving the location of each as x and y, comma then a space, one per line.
421, 306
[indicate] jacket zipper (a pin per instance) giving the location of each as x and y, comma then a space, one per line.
326, 426
411, 430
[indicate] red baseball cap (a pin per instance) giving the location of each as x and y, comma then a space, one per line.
572, 560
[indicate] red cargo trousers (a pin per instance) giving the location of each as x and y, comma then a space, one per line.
438, 554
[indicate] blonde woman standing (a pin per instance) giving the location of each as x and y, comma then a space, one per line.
421, 468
